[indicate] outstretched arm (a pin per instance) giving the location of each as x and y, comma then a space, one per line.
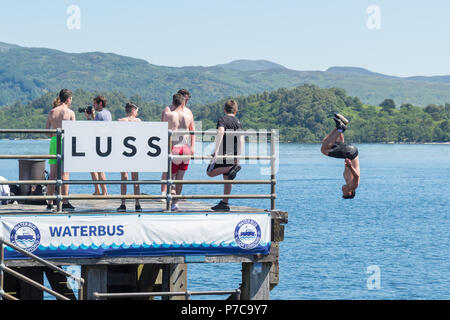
355, 172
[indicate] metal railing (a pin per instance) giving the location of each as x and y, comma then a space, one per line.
4, 268
187, 294
169, 182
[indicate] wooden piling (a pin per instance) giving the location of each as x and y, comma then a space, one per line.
95, 277
255, 281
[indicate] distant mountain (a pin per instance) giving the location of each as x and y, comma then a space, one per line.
4, 47
28, 73
441, 79
365, 72
356, 71
251, 65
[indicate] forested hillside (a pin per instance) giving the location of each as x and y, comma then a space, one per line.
29, 73
303, 114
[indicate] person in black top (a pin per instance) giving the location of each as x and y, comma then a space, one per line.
226, 144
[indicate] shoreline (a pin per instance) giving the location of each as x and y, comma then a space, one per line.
289, 142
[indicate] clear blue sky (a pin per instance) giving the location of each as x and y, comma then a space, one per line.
299, 34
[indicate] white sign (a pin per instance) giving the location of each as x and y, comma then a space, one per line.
115, 146
94, 236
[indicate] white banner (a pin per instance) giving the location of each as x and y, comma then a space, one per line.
115, 146
94, 236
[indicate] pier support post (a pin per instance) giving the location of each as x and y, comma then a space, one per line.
58, 283
147, 276
28, 292
122, 278
95, 278
255, 281
175, 279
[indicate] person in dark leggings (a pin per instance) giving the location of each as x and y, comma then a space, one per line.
334, 146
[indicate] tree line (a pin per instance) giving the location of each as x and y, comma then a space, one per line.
302, 115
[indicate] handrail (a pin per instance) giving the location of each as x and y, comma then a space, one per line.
179, 157
208, 132
86, 182
18, 275
27, 157
230, 132
187, 294
59, 198
47, 131
142, 197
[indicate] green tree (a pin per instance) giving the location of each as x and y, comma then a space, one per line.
388, 105
436, 112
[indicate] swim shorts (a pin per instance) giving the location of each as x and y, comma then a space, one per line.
214, 165
180, 164
343, 151
53, 150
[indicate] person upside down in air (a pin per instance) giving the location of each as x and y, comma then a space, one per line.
333, 146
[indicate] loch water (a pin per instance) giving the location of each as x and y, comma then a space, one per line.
390, 242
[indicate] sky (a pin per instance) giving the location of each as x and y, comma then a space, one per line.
395, 37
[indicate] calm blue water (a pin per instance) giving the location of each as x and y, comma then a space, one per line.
399, 222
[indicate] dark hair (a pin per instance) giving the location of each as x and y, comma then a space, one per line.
231, 106
178, 99
130, 106
184, 92
64, 95
101, 99
351, 196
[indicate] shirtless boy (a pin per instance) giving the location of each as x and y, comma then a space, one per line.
54, 121
179, 118
333, 146
131, 110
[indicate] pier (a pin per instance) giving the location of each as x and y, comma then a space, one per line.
137, 255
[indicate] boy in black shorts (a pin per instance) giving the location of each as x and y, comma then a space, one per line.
226, 144
334, 146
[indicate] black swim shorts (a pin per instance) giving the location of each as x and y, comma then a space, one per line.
343, 151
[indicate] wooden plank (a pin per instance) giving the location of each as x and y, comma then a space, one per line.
27, 291
95, 278
147, 276
144, 260
175, 279
58, 283
279, 215
255, 281
12, 284
122, 278
109, 206
277, 231
274, 275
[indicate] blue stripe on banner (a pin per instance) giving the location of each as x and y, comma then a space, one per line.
162, 250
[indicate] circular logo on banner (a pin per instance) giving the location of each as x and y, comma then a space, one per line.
247, 234
26, 236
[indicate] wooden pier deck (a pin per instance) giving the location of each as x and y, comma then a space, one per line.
168, 273
110, 205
